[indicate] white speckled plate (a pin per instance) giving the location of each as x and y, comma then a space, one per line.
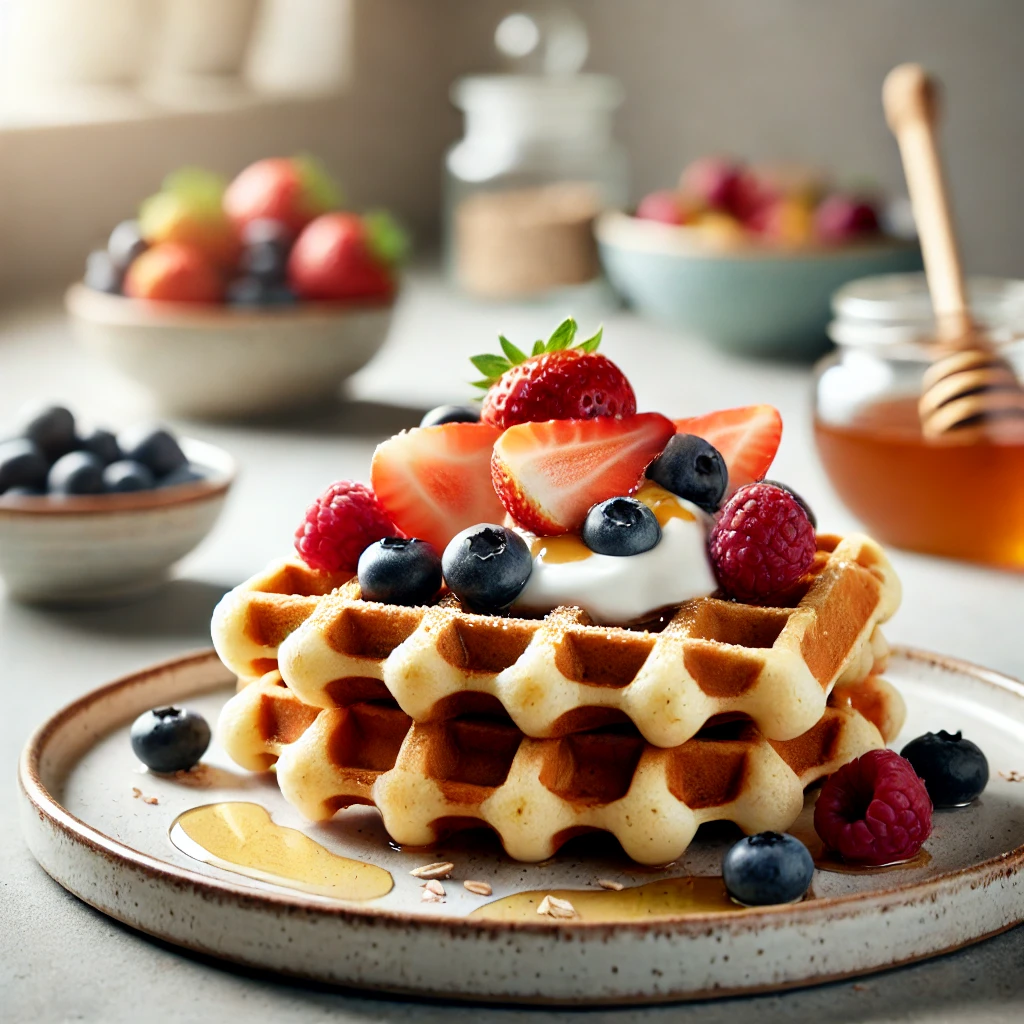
112, 849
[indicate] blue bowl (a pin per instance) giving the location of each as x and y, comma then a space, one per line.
752, 300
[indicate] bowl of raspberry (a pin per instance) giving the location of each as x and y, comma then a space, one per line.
747, 258
236, 300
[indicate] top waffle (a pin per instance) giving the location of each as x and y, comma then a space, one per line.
251, 622
562, 674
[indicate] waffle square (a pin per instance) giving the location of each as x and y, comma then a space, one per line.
562, 674
251, 621
428, 779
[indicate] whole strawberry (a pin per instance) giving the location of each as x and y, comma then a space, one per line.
341, 256
555, 382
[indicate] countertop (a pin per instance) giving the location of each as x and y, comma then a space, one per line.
62, 961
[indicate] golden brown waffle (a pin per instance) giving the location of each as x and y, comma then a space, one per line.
251, 621
433, 778
562, 674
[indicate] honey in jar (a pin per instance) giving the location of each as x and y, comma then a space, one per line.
960, 498
961, 495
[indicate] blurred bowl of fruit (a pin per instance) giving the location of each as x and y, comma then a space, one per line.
236, 300
747, 258
88, 516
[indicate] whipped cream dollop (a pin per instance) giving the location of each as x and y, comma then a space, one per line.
617, 590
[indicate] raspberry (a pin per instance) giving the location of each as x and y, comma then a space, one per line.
874, 810
762, 543
340, 525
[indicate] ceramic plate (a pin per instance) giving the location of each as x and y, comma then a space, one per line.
101, 826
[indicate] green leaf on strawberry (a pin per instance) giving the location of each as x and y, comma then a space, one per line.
515, 355
493, 366
322, 190
388, 240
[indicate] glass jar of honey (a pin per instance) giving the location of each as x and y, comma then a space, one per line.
962, 497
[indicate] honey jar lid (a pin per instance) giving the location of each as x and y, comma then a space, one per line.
903, 299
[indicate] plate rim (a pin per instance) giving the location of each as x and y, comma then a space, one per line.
81, 833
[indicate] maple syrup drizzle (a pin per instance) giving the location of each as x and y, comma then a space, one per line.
566, 547
664, 504
241, 837
669, 897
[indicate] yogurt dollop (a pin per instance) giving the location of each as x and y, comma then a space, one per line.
615, 590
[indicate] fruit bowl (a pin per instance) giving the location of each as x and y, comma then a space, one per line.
222, 361
78, 550
749, 299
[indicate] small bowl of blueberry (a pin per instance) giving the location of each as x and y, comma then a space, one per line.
87, 515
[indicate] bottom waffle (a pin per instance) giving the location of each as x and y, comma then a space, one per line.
428, 779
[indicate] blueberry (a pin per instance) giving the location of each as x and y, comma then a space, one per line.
767, 868
170, 739
450, 414
955, 771
620, 526
187, 474
154, 447
126, 244
399, 571
264, 230
100, 273
486, 567
797, 498
693, 469
51, 428
22, 464
101, 443
252, 291
76, 473
125, 475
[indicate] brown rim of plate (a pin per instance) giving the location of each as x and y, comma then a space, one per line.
211, 487
637, 234
92, 306
80, 833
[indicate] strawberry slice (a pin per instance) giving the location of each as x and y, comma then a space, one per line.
748, 438
548, 474
435, 481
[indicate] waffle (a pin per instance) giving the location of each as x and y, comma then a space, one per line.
251, 621
428, 779
562, 674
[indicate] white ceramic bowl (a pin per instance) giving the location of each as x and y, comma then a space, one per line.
96, 548
223, 362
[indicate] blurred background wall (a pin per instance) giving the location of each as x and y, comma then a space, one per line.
764, 79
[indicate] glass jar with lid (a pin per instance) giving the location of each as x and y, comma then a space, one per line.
962, 495
537, 163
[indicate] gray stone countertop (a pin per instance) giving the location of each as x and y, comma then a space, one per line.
62, 961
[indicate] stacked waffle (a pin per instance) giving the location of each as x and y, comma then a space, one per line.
545, 728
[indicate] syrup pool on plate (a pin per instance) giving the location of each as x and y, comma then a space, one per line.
668, 897
241, 837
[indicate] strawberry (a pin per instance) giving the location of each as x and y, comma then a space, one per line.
435, 481
747, 437
290, 190
548, 475
555, 382
345, 256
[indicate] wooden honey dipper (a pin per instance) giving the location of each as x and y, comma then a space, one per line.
969, 386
